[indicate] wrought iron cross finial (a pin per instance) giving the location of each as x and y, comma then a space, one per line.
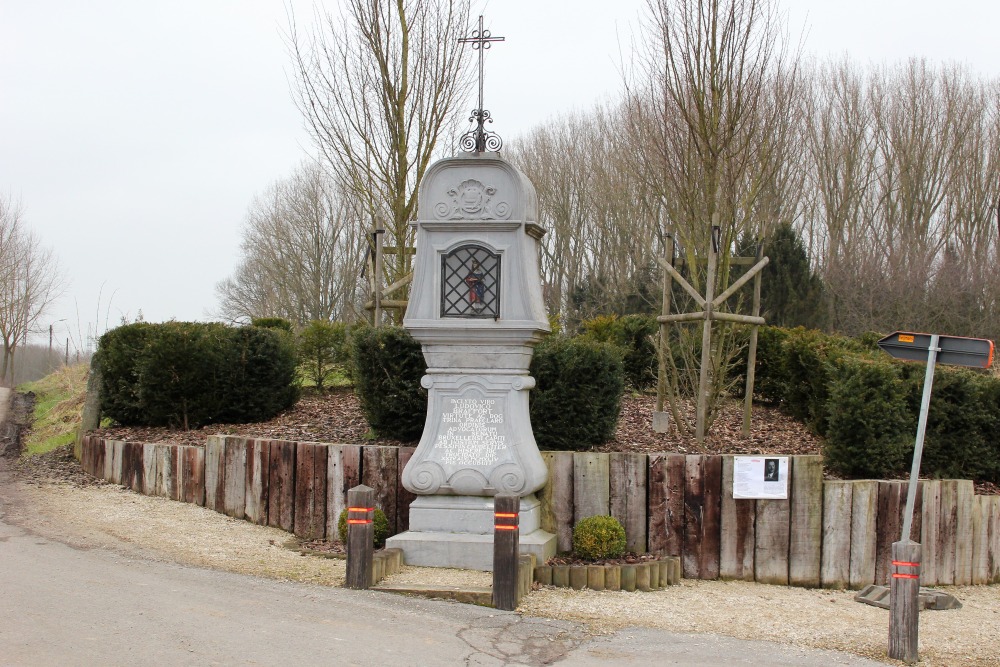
479, 139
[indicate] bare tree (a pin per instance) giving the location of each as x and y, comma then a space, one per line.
377, 86
711, 118
302, 253
29, 282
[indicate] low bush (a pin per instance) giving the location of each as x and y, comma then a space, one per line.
388, 364
187, 374
636, 336
599, 537
577, 397
323, 349
379, 522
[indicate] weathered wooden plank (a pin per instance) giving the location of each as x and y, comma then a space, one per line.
627, 497
694, 515
675, 480
805, 551
311, 462
711, 529
947, 532
194, 475
136, 471
215, 470
86, 456
656, 484
380, 470
305, 492
966, 493
994, 536
258, 462
591, 485
281, 484
343, 474
117, 454
360, 532
771, 547
336, 495
835, 566
403, 496
234, 478
736, 530
109, 459
930, 518
773, 526
556, 499
149, 465
980, 540
173, 480
891, 499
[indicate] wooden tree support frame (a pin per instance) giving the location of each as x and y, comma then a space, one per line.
709, 312
380, 300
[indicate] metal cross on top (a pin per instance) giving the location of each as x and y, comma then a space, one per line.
479, 140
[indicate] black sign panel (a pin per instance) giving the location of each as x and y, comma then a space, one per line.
953, 350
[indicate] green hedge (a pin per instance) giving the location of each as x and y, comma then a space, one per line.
636, 336
388, 364
187, 374
577, 397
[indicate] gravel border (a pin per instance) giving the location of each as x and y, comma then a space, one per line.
108, 516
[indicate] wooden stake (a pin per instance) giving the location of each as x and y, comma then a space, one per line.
506, 536
706, 338
904, 603
360, 537
752, 352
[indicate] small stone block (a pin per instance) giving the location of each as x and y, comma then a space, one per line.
661, 422
578, 578
628, 578
613, 577
543, 575
642, 576
595, 577
654, 575
560, 575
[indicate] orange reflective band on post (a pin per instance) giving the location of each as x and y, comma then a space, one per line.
359, 521
360, 509
503, 515
903, 563
499, 527
906, 576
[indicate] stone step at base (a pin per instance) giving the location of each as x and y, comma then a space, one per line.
930, 598
480, 596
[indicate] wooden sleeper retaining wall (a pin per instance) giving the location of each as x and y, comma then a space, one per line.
831, 534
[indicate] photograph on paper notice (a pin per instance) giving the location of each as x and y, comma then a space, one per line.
760, 477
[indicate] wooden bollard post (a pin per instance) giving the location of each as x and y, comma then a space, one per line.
506, 536
904, 601
360, 537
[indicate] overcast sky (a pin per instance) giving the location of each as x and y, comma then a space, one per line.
134, 134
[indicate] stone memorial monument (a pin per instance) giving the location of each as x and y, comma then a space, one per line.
476, 308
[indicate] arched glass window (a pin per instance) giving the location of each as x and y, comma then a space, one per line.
470, 283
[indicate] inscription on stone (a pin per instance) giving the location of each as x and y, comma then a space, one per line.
469, 433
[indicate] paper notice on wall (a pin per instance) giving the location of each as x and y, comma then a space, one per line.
760, 477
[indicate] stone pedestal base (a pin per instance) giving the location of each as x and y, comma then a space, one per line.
457, 531
661, 422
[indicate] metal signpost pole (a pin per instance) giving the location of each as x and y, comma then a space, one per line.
918, 449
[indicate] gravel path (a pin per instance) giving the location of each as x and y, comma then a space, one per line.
105, 515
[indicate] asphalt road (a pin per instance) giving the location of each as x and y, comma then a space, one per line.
64, 605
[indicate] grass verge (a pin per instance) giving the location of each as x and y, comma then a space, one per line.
58, 405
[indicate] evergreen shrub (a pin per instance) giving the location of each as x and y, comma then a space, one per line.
323, 349
388, 365
636, 336
599, 537
870, 424
577, 396
187, 374
279, 323
379, 522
